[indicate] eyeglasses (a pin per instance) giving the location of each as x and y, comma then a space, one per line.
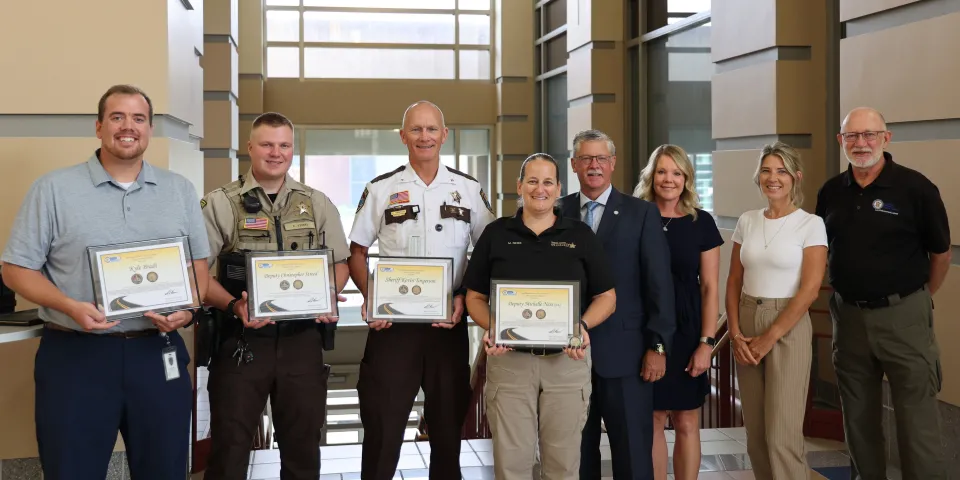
601, 159
870, 137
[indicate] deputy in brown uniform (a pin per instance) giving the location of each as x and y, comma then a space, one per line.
268, 210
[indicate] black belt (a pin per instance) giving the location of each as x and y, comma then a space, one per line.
283, 328
150, 332
540, 352
883, 302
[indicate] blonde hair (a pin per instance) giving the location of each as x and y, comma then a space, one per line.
791, 161
689, 200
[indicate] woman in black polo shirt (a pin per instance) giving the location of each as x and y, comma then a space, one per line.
538, 398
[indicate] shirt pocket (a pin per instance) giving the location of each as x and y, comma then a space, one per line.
456, 230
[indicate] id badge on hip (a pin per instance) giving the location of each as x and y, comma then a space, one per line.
170, 368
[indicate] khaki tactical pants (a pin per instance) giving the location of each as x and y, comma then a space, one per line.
536, 401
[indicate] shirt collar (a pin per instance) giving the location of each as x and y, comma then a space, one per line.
561, 223
250, 182
410, 175
100, 176
884, 179
602, 199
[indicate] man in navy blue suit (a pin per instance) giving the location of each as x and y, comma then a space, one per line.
629, 349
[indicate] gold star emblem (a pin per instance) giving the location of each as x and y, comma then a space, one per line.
303, 208
456, 196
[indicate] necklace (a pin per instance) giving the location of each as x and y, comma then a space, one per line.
668, 223
765, 242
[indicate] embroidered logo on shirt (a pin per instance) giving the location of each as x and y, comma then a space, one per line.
880, 206
563, 244
400, 197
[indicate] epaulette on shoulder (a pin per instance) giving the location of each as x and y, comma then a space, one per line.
388, 174
231, 187
464, 175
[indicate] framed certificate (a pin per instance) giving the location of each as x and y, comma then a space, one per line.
535, 314
409, 289
132, 278
291, 285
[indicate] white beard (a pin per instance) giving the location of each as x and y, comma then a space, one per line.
870, 163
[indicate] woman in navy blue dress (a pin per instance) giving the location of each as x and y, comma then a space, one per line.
694, 240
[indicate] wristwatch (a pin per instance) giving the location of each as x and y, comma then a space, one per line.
584, 325
230, 305
709, 341
659, 349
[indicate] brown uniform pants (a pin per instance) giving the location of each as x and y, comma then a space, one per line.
396, 363
290, 370
536, 401
774, 393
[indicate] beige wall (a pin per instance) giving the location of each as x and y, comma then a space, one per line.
917, 89
61, 78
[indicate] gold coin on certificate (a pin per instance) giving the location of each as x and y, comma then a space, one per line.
527, 313
403, 289
415, 289
136, 278
298, 284
541, 314
284, 285
152, 277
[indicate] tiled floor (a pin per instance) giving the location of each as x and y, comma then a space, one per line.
724, 457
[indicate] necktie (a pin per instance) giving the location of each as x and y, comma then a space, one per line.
588, 219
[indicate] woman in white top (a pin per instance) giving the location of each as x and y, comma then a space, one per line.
776, 268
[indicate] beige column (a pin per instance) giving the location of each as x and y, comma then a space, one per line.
220, 92
770, 84
595, 42
514, 76
252, 75
63, 55
899, 56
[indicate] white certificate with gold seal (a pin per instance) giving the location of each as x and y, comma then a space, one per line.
294, 285
535, 313
409, 289
136, 277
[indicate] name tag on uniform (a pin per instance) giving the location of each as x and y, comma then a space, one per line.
170, 368
458, 213
300, 225
401, 214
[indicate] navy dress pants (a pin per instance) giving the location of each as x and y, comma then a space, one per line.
90, 386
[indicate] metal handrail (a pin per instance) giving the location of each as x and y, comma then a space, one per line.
723, 339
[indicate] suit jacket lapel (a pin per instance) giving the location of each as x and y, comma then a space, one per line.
571, 206
609, 219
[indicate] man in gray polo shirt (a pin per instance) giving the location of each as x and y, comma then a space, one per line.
95, 377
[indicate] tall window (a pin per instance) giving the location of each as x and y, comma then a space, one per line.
550, 47
340, 162
399, 39
672, 57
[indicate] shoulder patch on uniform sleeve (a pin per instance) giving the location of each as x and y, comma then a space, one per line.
486, 202
203, 203
363, 199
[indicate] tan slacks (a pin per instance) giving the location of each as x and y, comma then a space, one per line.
537, 401
774, 393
